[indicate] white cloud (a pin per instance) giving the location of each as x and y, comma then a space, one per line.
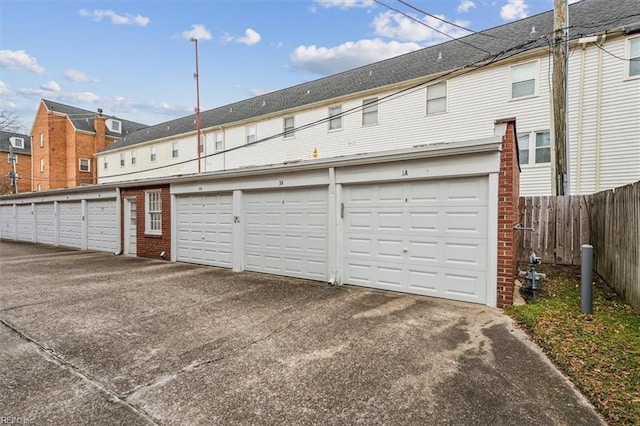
396, 26
4, 89
19, 59
250, 38
75, 75
465, 6
197, 31
116, 19
327, 61
345, 4
50, 86
514, 9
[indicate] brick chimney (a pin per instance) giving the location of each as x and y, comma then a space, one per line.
100, 127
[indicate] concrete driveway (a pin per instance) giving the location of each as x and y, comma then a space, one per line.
92, 338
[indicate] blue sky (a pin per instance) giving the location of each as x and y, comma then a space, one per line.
134, 58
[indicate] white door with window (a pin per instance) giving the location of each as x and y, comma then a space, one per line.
70, 224
102, 226
130, 226
45, 223
285, 232
421, 237
204, 229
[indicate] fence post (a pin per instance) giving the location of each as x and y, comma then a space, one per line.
586, 279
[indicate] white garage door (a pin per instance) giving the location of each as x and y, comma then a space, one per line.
204, 229
70, 231
286, 232
25, 223
45, 224
8, 223
426, 237
102, 229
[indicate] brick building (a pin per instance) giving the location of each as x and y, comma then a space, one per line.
65, 139
21, 148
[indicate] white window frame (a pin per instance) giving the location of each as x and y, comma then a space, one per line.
41, 140
288, 127
335, 118
174, 150
435, 104
370, 111
123, 161
153, 212
114, 125
17, 142
134, 157
88, 163
251, 133
218, 141
42, 165
105, 163
630, 54
153, 153
532, 149
513, 69
15, 157
39, 187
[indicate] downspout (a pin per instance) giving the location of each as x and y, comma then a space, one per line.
580, 119
599, 113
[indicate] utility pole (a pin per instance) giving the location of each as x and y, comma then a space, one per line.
12, 173
196, 75
560, 58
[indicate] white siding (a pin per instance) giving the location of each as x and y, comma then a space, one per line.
45, 223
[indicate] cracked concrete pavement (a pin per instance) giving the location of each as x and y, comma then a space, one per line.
92, 338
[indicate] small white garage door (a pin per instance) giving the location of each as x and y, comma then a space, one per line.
423, 237
204, 229
45, 224
102, 229
285, 232
70, 231
8, 223
25, 223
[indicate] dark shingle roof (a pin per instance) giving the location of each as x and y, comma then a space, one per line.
585, 17
82, 119
4, 143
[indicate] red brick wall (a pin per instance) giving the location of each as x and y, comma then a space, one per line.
508, 193
150, 245
23, 168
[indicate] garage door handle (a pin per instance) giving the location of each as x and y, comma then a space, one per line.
404, 250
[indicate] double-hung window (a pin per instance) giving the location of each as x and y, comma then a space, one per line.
174, 150
134, 158
251, 133
634, 57
534, 148
153, 212
437, 98
523, 80
218, 140
153, 153
289, 127
105, 163
370, 111
84, 165
335, 118
122, 160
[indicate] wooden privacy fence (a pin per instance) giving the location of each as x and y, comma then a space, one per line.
608, 220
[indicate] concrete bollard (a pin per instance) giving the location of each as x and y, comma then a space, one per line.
586, 279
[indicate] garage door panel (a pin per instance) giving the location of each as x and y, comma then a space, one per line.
426, 237
286, 232
102, 227
25, 223
70, 234
204, 229
45, 224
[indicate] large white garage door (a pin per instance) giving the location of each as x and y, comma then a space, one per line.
25, 223
102, 227
45, 224
70, 232
204, 229
8, 223
286, 232
423, 237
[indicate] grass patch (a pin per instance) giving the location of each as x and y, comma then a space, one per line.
600, 352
